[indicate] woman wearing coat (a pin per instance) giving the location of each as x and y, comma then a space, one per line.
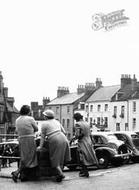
85, 146
59, 150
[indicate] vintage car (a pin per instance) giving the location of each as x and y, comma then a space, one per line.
137, 132
109, 151
131, 139
12, 144
9, 149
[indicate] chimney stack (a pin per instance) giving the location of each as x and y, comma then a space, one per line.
45, 101
80, 89
134, 83
89, 87
125, 80
62, 91
98, 83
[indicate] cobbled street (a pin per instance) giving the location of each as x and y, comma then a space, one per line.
118, 178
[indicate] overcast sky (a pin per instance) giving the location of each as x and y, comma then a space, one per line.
46, 44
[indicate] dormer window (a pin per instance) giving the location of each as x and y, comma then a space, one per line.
81, 106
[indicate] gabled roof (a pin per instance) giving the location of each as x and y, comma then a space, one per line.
104, 93
66, 99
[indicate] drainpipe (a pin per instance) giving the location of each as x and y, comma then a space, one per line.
72, 126
88, 113
60, 115
128, 114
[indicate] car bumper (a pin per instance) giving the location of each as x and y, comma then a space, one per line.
122, 156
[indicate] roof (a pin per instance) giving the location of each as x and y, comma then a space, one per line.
102, 133
66, 99
134, 94
104, 93
126, 92
129, 133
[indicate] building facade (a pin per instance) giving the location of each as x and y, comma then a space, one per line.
66, 103
37, 110
98, 108
113, 108
8, 112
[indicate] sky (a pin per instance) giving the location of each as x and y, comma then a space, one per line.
46, 44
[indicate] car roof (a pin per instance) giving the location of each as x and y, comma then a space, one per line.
129, 133
102, 133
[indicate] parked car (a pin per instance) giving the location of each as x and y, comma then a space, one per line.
9, 149
131, 139
109, 151
137, 132
12, 144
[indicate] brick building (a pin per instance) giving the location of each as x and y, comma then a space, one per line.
37, 109
65, 104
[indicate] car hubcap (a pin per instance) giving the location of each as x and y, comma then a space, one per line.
101, 160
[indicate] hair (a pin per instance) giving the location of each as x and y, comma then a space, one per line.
25, 110
49, 117
77, 116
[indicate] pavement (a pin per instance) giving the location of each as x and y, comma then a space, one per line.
6, 172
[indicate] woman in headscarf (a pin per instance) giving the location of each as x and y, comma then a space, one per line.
59, 151
26, 128
85, 147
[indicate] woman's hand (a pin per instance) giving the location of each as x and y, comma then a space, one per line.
39, 148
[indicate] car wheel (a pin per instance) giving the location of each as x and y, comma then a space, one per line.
103, 161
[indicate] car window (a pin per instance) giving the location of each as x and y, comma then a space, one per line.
111, 137
120, 137
125, 139
98, 139
135, 140
134, 136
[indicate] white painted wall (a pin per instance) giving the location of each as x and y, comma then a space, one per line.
133, 115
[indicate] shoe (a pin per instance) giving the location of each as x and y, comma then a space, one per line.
59, 178
14, 177
84, 174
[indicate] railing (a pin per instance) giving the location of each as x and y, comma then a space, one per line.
5, 137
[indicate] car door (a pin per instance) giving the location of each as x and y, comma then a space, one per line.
99, 141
